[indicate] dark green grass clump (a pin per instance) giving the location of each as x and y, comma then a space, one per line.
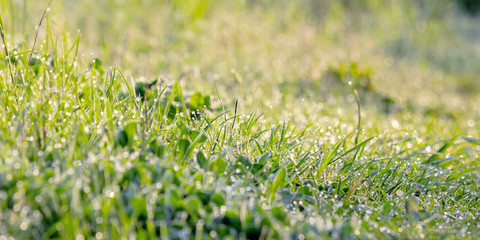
470, 6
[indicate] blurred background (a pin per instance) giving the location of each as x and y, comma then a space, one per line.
413, 62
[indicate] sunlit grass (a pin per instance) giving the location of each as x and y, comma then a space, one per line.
205, 119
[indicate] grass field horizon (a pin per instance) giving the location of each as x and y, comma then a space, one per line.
209, 119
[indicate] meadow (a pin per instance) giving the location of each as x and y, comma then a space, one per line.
242, 119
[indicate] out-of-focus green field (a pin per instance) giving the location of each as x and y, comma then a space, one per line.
239, 119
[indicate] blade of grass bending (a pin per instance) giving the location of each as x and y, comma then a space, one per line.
112, 79
441, 150
235, 116
359, 115
74, 48
210, 122
38, 29
225, 116
338, 187
252, 120
353, 189
355, 148
193, 145
169, 103
282, 136
2, 33
258, 146
181, 96
329, 156
130, 90
471, 140
157, 106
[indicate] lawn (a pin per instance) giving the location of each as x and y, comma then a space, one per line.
242, 119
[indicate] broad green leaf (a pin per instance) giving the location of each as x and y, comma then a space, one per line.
157, 148
130, 129
279, 181
218, 166
279, 213
218, 199
122, 138
264, 158
183, 145
202, 160
139, 205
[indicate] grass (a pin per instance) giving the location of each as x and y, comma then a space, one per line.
237, 120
